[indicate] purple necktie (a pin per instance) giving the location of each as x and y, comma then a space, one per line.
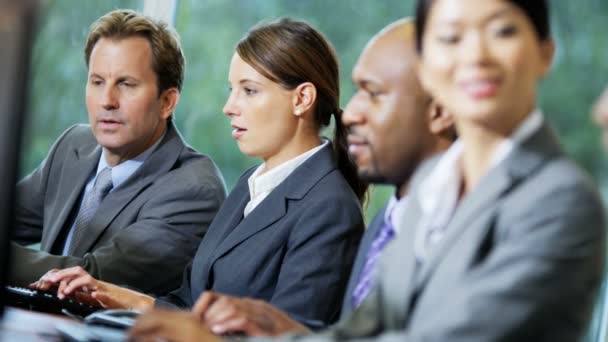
366, 277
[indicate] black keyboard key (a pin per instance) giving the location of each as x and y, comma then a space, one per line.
46, 301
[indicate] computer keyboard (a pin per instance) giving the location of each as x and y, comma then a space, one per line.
78, 332
46, 301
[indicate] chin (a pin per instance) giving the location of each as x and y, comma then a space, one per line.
109, 142
247, 150
371, 176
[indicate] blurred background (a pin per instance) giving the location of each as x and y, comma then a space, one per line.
209, 30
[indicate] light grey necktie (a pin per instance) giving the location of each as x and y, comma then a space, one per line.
103, 185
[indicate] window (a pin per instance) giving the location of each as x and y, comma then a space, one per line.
210, 29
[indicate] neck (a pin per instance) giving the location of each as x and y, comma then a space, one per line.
479, 147
120, 155
292, 150
480, 142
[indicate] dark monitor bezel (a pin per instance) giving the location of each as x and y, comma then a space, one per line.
17, 21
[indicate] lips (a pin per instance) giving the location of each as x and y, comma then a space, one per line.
109, 123
237, 131
356, 143
480, 88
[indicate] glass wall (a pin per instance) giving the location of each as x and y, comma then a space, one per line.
210, 29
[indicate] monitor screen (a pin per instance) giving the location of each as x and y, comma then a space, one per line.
16, 26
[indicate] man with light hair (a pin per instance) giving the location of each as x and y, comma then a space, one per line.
124, 198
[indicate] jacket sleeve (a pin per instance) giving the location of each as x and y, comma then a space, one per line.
151, 253
31, 191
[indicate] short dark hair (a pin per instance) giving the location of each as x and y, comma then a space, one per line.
536, 10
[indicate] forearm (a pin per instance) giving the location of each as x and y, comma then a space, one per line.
122, 298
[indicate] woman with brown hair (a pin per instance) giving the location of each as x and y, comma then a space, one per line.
289, 230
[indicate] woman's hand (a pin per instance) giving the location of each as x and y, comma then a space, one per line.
77, 283
175, 326
225, 314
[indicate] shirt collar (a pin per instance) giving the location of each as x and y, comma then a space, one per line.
266, 182
124, 170
395, 210
443, 184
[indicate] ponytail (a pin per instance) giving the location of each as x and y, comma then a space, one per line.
345, 163
290, 52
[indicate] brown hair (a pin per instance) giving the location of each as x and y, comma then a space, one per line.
291, 52
168, 60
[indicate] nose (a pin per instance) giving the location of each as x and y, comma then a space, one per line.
475, 49
230, 107
353, 113
109, 98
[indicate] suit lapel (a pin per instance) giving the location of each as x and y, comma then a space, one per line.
79, 167
274, 207
398, 267
522, 161
487, 192
157, 164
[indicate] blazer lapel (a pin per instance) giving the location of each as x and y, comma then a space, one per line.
81, 163
157, 164
269, 211
274, 207
522, 161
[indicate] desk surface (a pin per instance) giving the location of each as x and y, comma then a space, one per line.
24, 325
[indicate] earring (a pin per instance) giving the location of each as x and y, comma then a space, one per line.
297, 112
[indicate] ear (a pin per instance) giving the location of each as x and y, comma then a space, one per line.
304, 97
547, 52
441, 122
168, 101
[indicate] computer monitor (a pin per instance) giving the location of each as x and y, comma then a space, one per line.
16, 28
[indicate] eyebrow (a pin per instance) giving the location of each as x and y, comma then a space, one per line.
247, 80
500, 13
119, 78
365, 82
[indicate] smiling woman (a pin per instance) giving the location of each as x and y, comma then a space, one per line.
526, 219
479, 57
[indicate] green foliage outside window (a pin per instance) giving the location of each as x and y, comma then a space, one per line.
210, 29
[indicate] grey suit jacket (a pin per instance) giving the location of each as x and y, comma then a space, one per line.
521, 260
366, 242
145, 231
294, 250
